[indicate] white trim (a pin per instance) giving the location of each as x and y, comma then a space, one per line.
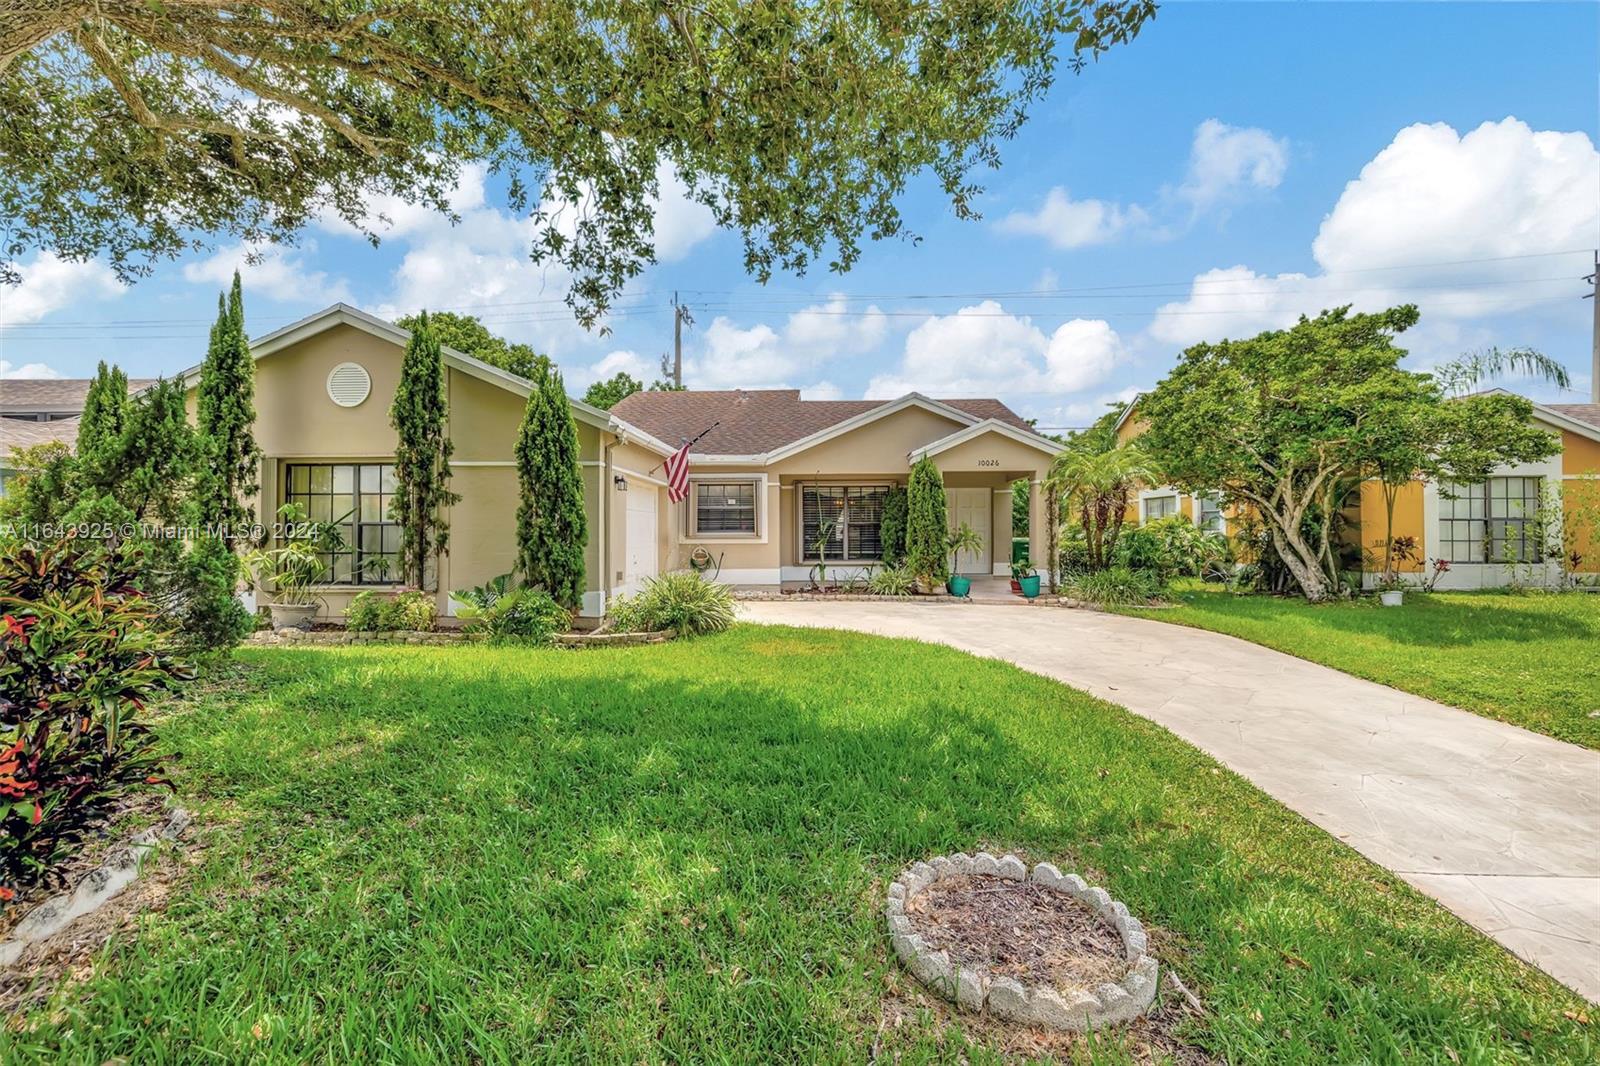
1127, 411
628, 433
988, 425
484, 462
635, 475
341, 314
1159, 493
760, 535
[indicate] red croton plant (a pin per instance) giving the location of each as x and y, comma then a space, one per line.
81, 652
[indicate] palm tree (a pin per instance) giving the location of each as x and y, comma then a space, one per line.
1466, 372
1098, 485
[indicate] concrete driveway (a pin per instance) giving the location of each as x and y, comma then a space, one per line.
1500, 825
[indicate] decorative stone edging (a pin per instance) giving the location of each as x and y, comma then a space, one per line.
971, 988
613, 640
121, 869
345, 636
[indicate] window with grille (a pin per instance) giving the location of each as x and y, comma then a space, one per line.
727, 507
355, 497
1490, 522
844, 519
1160, 507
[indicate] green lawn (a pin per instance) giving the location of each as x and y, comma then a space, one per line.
1531, 659
677, 853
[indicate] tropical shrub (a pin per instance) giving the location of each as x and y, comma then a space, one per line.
480, 597
1116, 586
1072, 550
364, 612
198, 591
525, 615
681, 602
926, 523
80, 656
892, 581
1144, 549
1191, 551
373, 611
892, 526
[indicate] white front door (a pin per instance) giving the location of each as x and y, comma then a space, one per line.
642, 553
975, 507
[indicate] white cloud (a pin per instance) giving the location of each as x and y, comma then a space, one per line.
278, 273
50, 283
27, 370
1466, 204
622, 361
481, 264
756, 357
1225, 161
984, 351
1069, 223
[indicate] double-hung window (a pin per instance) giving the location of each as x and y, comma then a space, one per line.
1159, 507
841, 522
354, 496
1491, 522
724, 508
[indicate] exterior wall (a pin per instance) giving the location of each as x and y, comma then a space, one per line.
1408, 522
296, 421
1580, 498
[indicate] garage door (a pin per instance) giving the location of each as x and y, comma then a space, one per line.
641, 558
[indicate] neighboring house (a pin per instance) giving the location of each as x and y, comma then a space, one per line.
775, 471
1473, 528
37, 411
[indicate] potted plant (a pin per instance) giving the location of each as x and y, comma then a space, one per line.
1027, 582
1391, 589
1019, 570
294, 567
962, 539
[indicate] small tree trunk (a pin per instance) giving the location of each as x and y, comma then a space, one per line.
1298, 556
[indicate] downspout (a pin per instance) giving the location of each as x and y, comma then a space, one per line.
605, 524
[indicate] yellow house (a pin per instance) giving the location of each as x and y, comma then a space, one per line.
1484, 533
772, 469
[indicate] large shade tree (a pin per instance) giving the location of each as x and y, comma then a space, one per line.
133, 125
1282, 423
467, 334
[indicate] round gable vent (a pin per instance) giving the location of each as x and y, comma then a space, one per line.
348, 384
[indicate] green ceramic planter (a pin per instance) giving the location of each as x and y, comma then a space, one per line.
1030, 585
959, 586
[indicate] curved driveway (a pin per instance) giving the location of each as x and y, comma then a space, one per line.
1500, 825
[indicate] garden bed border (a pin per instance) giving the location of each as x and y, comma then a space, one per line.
971, 987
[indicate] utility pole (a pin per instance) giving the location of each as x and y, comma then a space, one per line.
680, 318
1594, 331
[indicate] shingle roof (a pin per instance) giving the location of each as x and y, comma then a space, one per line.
20, 433
1578, 412
52, 394
756, 421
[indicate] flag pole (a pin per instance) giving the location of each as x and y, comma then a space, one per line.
687, 445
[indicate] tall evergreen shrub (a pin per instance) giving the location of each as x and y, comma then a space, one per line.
926, 523
105, 415
226, 413
552, 528
422, 455
892, 526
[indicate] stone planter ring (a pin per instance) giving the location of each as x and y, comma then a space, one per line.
972, 987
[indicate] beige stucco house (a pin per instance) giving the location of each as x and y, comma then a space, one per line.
759, 480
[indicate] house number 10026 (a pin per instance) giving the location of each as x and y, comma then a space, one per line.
988, 462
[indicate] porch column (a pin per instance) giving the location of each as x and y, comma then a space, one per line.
1038, 541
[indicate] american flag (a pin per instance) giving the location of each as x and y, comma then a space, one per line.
677, 467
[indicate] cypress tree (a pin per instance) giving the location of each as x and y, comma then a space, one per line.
225, 414
892, 526
422, 455
926, 523
100, 427
552, 528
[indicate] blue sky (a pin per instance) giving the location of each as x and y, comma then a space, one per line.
1235, 165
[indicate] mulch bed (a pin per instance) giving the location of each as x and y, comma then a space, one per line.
1019, 929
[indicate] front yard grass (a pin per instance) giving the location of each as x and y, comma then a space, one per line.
1531, 659
677, 853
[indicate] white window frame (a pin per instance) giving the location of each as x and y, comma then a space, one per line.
1158, 494
1200, 513
691, 510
